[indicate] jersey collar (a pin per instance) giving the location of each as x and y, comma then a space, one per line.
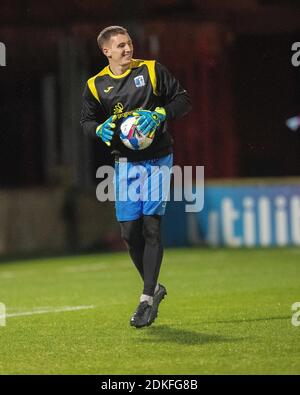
109, 72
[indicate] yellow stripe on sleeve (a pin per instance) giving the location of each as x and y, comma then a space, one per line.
92, 86
151, 68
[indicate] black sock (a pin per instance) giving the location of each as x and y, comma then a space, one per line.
153, 252
132, 234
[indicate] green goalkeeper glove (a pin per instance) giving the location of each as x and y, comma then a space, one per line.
149, 121
105, 132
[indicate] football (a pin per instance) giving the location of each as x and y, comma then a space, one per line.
131, 137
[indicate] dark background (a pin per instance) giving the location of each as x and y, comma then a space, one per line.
234, 57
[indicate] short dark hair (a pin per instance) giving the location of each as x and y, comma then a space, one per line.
108, 32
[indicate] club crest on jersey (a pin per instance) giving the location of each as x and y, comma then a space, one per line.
139, 81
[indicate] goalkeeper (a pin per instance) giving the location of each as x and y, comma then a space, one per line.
146, 89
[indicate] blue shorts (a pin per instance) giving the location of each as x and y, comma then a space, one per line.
142, 188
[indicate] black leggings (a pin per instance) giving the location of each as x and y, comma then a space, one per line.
143, 240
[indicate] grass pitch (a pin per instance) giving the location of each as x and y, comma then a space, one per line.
227, 312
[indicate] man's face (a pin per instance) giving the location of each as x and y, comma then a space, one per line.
119, 49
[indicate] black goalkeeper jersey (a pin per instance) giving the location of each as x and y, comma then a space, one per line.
147, 85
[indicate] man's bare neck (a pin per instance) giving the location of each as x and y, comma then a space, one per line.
118, 70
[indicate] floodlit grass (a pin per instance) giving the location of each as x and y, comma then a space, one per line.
227, 312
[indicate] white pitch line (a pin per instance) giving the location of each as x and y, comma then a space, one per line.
85, 268
50, 310
6, 275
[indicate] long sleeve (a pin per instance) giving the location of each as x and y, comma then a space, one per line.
176, 99
91, 113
